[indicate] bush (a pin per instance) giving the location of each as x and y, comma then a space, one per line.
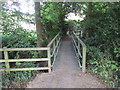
103, 66
9, 79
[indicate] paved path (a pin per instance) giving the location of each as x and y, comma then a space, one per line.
66, 72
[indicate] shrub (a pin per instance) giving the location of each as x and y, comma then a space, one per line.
103, 66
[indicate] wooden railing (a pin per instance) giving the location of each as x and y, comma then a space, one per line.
7, 61
54, 48
79, 47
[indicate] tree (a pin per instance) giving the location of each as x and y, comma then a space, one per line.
88, 31
38, 23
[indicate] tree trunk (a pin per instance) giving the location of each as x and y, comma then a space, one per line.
88, 31
38, 23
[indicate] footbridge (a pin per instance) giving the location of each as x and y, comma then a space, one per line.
58, 44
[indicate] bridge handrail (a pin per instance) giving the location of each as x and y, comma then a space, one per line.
51, 42
78, 54
7, 61
82, 43
54, 47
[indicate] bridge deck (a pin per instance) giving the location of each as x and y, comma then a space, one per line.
66, 60
66, 72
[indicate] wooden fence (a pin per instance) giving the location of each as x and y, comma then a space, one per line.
79, 47
56, 43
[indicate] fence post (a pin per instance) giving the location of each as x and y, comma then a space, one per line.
53, 49
6, 60
49, 59
58, 44
84, 60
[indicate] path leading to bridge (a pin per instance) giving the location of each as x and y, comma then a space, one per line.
66, 72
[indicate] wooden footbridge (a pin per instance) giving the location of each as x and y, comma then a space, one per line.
52, 52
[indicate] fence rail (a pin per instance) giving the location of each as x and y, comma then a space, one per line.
54, 45
79, 47
23, 49
7, 61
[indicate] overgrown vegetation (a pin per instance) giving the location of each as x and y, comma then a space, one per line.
20, 78
101, 35
100, 30
16, 36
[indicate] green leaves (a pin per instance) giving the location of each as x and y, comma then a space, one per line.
117, 52
18, 64
103, 40
103, 66
16, 77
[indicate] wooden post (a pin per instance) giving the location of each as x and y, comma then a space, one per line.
49, 61
57, 43
53, 49
54, 43
84, 60
6, 60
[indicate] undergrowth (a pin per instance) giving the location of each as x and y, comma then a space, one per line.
15, 79
103, 66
